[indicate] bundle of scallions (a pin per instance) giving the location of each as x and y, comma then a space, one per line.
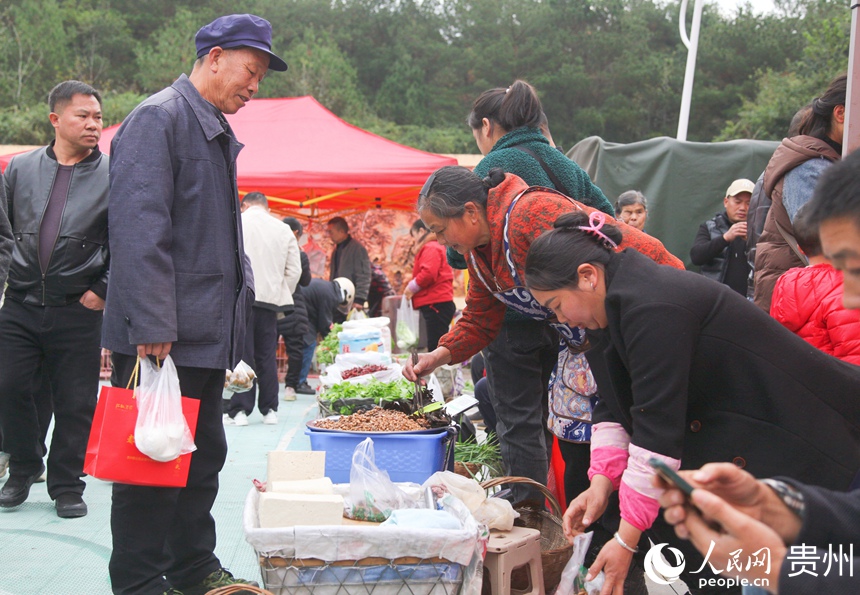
474, 456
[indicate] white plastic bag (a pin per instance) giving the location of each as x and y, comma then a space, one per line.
356, 314
407, 325
573, 576
372, 494
161, 432
239, 380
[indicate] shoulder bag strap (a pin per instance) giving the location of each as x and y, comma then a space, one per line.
555, 181
792, 243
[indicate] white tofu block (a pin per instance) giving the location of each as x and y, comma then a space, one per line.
292, 510
295, 465
302, 486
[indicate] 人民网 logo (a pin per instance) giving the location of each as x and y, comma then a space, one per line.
658, 569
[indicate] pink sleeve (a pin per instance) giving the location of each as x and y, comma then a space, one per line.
638, 497
609, 444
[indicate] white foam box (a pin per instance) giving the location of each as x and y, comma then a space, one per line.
302, 486
295, 465
293, 510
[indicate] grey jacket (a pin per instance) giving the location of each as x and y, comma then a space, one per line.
354, 264
6, 240
178, 271
80, 258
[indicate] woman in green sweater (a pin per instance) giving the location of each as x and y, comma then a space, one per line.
506, 124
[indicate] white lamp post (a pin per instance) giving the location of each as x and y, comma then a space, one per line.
692, 44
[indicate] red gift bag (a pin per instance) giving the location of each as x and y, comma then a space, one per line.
111, 453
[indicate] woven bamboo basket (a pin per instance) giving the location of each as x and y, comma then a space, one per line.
555, 549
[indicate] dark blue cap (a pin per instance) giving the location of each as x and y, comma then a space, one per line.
238, 30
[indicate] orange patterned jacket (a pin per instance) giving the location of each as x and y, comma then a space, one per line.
534, 213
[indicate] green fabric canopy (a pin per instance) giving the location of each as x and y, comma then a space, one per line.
684, 182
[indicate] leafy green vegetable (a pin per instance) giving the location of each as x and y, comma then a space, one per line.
329, 346
376, 390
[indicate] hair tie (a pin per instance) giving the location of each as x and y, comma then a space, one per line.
507, 90
595, 223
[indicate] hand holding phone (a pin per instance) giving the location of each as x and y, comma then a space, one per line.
670, 476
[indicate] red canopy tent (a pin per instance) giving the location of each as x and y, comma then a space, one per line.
303, 157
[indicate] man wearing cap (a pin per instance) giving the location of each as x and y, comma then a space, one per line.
720, 246
182, 285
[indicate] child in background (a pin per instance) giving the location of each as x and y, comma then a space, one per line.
632, 208
808, 300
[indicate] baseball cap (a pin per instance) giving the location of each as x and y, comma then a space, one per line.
238, 30
741, 185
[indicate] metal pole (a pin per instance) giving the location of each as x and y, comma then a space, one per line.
851, 132
692, 44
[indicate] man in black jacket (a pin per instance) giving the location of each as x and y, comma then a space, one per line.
720, 246
293, 326
52, 316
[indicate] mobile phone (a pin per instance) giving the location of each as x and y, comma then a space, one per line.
670, 476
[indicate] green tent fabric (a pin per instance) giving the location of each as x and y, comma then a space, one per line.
684, 182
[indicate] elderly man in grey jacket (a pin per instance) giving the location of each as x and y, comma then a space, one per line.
181, 285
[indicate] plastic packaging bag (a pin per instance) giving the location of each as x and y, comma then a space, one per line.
380, 322
495, 513
161, 432
372, 494
360, 340
407, 325
240, 379
573, 576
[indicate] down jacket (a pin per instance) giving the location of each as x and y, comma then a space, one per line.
808, 302
773, 254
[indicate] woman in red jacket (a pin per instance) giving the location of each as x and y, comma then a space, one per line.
432, 286
808, 300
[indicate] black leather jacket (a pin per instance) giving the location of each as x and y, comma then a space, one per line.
80, 258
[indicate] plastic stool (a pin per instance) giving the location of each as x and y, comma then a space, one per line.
508, 550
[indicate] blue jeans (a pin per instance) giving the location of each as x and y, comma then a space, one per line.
306, 362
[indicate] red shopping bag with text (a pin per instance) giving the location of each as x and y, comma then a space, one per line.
111, 453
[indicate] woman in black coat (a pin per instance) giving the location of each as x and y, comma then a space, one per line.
689, 372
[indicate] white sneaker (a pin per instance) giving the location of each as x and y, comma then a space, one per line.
228, 421
4, 463
289, 394
271, 418
241, 419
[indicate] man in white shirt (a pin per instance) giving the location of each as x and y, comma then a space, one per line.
273, 251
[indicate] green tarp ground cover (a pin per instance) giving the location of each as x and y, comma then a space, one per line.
684, 182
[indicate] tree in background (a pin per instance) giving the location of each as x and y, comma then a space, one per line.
410, 69
779, 93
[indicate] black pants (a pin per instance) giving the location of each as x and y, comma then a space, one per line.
170, 532
61, 343
577, 459
292, 328
261, 344
519, 363
44, 410
437, 320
